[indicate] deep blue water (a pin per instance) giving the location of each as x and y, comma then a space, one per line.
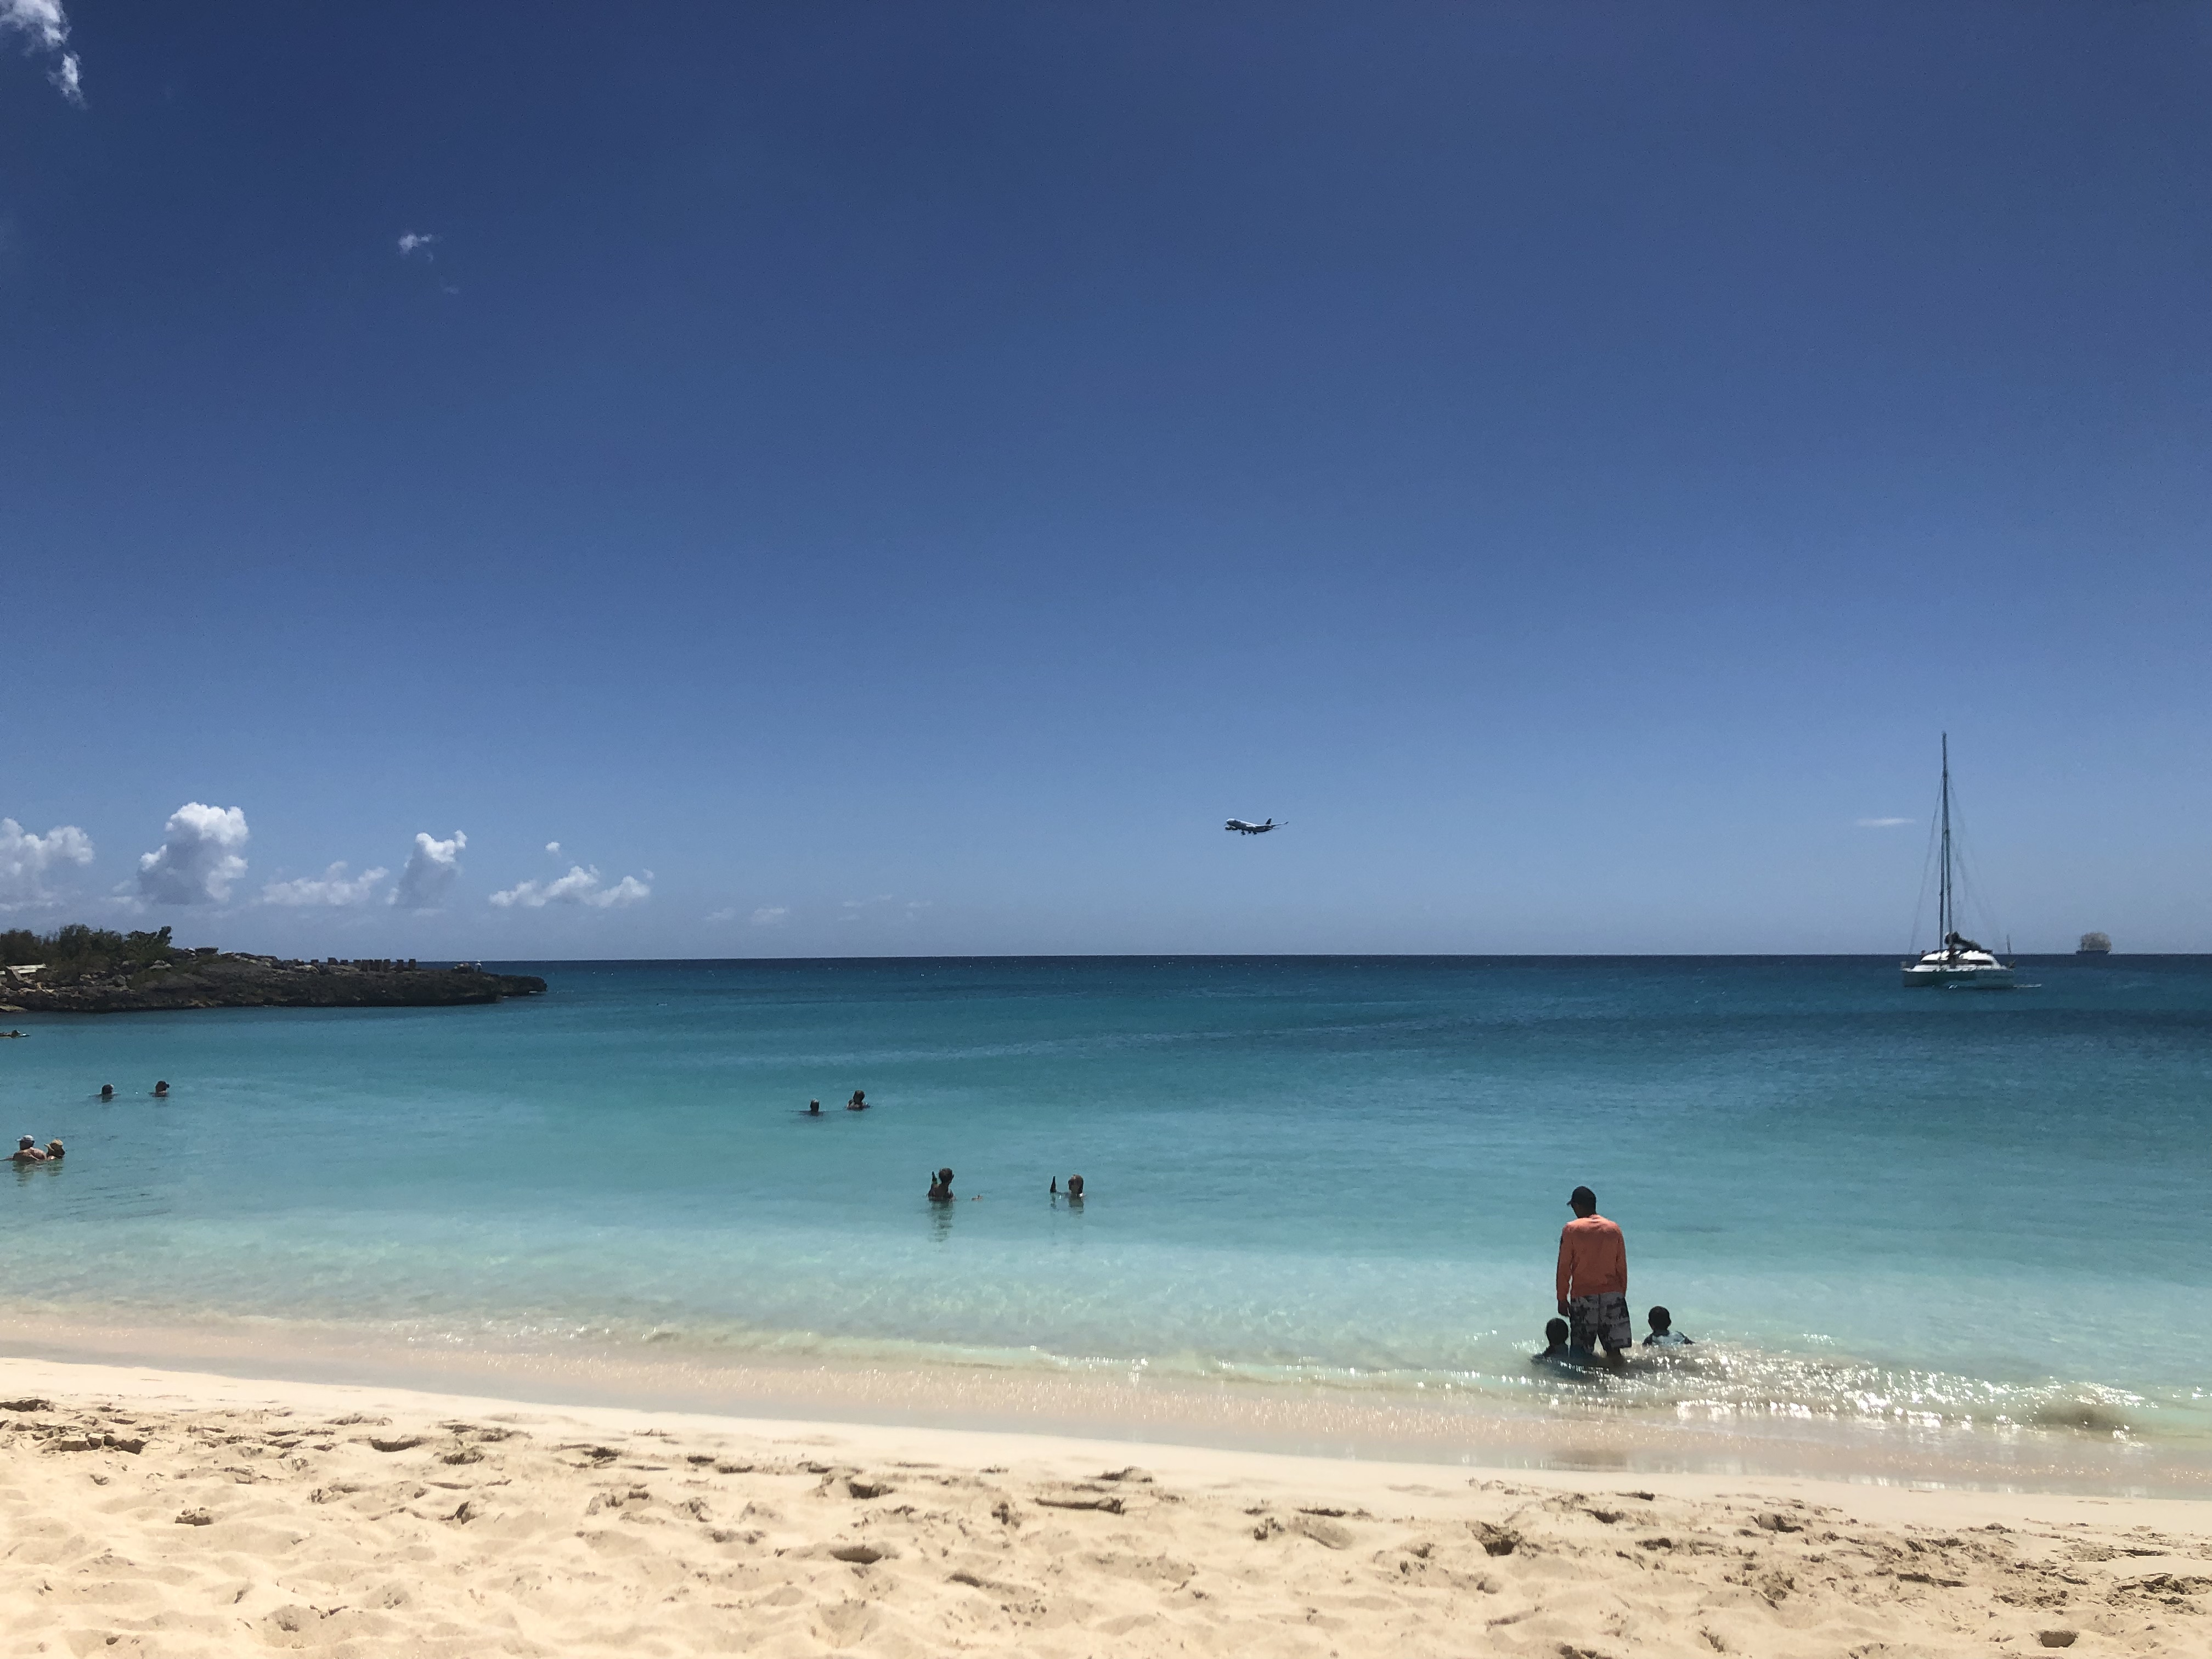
1297, 1167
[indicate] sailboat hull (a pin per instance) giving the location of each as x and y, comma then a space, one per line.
1989, 977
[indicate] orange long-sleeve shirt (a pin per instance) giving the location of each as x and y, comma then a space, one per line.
1593, 1258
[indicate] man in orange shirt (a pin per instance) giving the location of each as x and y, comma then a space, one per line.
1593, 1279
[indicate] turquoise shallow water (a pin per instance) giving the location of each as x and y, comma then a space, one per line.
1862, 1199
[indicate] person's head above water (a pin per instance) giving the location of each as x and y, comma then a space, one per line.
1662, 1319
814, 1106
1583, 1201
1075, 1186
944, 1177
54, 1149
161, 1088
107, 1091
27, 1142
1557, 1331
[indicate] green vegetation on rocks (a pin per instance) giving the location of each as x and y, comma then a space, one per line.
72, 951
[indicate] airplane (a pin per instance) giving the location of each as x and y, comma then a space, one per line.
1244, 829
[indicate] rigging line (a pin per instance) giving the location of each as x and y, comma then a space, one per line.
1965, 880
1927, 867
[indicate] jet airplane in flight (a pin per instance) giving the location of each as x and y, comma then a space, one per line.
1240, 827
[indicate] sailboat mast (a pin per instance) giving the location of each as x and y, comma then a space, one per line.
1943, 893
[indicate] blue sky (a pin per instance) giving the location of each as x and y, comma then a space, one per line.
894, 478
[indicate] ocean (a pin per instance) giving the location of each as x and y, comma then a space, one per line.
1979, 1213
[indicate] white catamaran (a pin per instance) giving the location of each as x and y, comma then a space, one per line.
1956, 961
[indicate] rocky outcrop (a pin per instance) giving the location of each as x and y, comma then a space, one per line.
205, 980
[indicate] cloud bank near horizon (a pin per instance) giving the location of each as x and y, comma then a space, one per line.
24, 859
581, 885
333, 888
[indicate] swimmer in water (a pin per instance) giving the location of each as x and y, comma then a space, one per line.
27, 1151
940, 1187
814, 1109
859, 1102
1075, 1189
107, 1092
54, 1150
161, 1091
1558, 1351
1663, 1334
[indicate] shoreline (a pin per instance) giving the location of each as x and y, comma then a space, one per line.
170, 1514
1474, 1430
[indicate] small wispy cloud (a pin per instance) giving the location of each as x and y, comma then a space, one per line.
905, 910
48, 24
333, 889
771, 915
410, 241
24, 859
554, 848
1881, 823
198, 858
581, 885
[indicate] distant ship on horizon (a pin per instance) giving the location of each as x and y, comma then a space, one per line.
2094, 944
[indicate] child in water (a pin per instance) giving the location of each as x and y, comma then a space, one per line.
1557, 1352
1663, 1334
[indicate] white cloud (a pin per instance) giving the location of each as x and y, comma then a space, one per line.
580, 886
48, 24
429, 872
198, 858
1881, 823
770, 915
331, 888
410, 241
24, 859
554, 848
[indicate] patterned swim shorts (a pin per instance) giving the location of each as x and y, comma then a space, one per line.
1601, 1318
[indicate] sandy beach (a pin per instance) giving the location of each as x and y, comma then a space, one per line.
172, 1513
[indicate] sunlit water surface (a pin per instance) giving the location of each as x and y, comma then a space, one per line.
1865, 1203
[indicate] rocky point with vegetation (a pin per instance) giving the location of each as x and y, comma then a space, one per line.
91, 970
